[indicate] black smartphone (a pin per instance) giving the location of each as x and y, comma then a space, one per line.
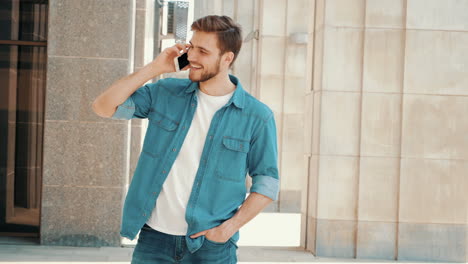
182, 61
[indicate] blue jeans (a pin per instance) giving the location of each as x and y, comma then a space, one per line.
157, 247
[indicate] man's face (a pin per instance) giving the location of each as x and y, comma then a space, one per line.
204, 57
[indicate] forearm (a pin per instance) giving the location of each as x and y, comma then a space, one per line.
106, 103
251, 207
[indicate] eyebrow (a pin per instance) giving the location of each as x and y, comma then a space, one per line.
198, 47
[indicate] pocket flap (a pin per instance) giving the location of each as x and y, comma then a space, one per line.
167, 124
236, 144
164, 122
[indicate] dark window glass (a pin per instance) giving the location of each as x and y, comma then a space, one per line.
23, 60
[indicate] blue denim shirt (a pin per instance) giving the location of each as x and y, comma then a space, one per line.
241, 139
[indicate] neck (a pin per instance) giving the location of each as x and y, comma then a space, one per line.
218, 85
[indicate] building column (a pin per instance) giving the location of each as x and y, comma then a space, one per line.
388, 167
86, 160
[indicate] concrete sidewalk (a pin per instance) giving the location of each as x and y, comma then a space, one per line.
35, 254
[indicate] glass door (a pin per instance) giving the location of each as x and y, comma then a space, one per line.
23, 57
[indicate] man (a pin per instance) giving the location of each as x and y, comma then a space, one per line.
204, 134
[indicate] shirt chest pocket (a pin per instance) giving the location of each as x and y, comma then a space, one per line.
232, 160
160, 134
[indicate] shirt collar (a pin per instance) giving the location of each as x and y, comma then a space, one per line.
237, 98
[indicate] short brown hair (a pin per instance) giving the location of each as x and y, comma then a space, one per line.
229, 33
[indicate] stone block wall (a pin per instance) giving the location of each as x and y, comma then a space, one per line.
85, 156
370, 114
371, 107
388, 139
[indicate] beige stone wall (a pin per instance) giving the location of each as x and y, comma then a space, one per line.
370, 118
389, 138
273, 68
282, 84
376, 120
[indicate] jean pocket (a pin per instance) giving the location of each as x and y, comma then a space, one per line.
233, 243
216, 243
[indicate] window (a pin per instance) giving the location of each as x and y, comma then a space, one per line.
23, 56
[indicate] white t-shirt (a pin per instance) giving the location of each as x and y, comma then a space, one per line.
168, 216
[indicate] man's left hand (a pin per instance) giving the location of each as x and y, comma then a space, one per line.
219, 234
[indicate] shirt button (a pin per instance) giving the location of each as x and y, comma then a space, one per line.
211, 137
164, 171
193, 105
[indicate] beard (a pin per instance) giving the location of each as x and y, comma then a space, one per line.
206, 75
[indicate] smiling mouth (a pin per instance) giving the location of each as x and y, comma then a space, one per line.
193, 67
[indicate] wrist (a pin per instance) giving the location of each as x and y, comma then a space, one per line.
156, 68
231, 226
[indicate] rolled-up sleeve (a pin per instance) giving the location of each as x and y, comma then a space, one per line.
263, 160
137, 105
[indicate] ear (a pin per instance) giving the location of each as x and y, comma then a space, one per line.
229, 57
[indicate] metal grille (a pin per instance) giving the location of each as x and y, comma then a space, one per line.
180, 20
170, 17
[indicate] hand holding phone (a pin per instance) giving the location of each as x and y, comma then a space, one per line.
182, 61
165, 62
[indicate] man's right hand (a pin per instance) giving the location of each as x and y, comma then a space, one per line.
106, 103
165, 60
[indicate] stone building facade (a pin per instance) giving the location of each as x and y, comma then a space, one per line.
369, 96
